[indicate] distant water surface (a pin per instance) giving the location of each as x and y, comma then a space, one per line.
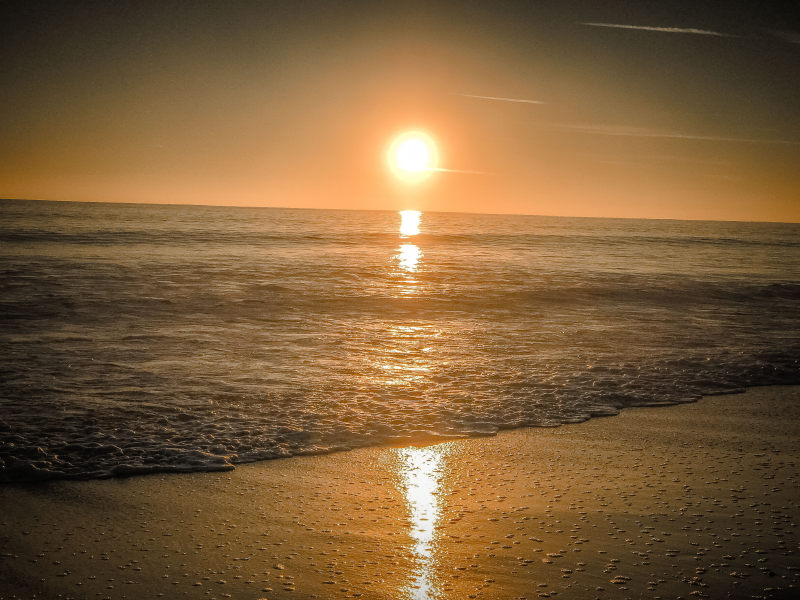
140, 338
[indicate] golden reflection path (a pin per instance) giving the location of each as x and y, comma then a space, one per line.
419, 468
408, 255
409, 222
420, 473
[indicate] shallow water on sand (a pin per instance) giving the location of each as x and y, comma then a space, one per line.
148, 338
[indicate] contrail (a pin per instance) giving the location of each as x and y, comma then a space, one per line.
468, 172
692, 30
501, 99
621, 131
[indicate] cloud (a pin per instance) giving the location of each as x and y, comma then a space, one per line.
690, 30
501, 99
628, 131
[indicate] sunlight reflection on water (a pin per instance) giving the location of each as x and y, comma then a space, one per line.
409, 222
409, 257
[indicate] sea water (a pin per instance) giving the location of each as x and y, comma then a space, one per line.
141, 338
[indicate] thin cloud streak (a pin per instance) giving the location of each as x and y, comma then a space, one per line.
690, 30
502, 99
466, 171
623, 131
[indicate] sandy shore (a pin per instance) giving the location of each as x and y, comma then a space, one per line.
688, 501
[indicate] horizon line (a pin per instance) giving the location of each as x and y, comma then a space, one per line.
392, 210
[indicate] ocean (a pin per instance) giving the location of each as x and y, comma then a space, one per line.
152, 338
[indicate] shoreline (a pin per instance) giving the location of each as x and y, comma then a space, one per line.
690, 500
222, 464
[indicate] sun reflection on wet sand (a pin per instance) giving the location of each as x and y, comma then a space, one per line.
420, 471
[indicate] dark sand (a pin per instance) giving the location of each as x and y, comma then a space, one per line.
692, 501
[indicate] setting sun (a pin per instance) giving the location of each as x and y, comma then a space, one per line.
412, 156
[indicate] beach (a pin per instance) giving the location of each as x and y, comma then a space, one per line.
399, 301
695, 500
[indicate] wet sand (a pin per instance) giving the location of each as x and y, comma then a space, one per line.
691, 501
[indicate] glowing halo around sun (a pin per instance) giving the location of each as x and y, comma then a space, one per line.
412, 156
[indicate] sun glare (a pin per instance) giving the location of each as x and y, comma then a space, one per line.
412, 156
409, 222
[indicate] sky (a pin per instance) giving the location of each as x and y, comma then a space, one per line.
684, 110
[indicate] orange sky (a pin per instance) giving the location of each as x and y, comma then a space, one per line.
641, 112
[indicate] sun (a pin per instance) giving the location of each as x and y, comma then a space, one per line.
412, 156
